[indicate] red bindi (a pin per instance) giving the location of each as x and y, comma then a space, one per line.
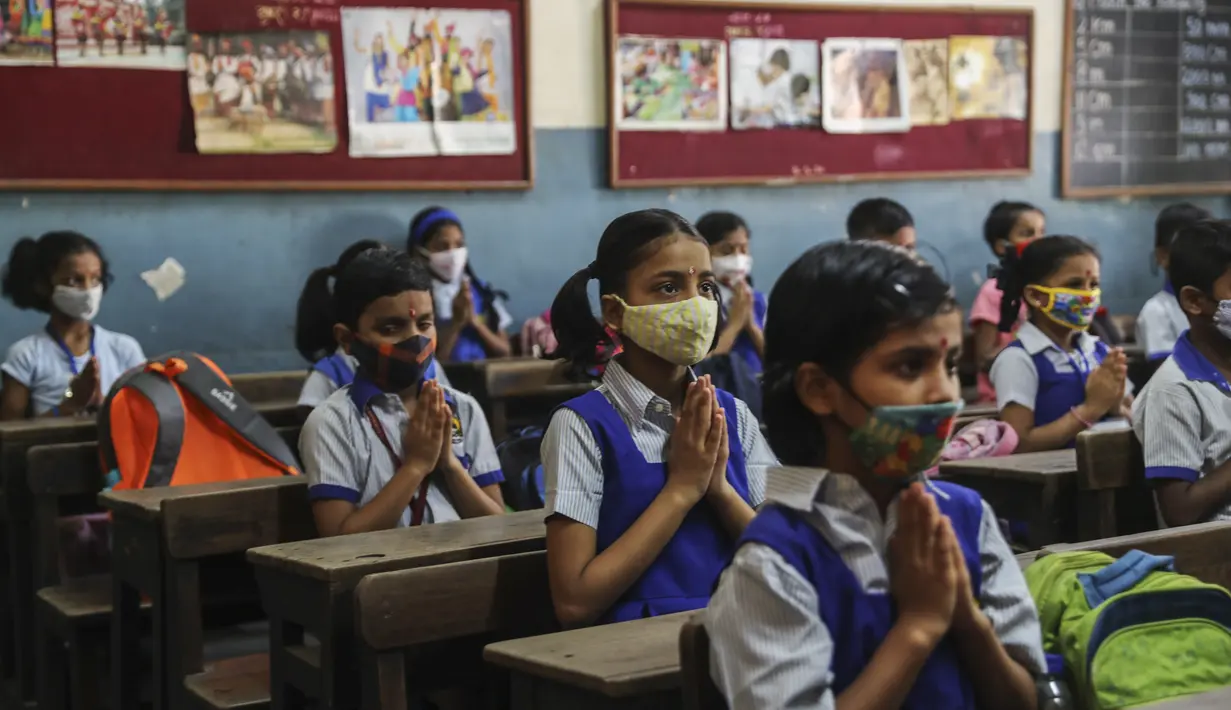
944, 343
692, 270
412, 313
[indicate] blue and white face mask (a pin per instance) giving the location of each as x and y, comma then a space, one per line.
1222, 319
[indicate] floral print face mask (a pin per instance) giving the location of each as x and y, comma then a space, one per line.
1070, 307
902, 441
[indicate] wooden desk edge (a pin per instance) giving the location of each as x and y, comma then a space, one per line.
616, 686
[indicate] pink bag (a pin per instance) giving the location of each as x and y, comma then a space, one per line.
537, 338
979, 439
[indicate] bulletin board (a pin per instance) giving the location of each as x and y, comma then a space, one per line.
92, 128
960, 149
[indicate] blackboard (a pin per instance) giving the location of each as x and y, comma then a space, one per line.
1147, 97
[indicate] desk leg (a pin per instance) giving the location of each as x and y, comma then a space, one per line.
8, 640
126, 645
283, 695
182, 628
21, 572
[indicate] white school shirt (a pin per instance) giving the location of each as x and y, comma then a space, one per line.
1015, 377
38, 362
1160, 324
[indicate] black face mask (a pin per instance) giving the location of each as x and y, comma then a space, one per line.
395, 367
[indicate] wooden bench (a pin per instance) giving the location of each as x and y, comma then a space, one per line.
634, 664
535, 385
1203, 551
1039, 488
266, 387
1113, 495
308, 587
402, 618
159, 536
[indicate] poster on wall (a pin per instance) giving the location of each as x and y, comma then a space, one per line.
666, 84
927, 65
864, 87
263, 92
775, 83
121, 34
987, 77
26, 33
473, 99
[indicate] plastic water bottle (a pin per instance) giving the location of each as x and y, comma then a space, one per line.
1053, 689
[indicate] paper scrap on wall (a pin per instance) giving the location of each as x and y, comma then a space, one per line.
775, 83
166, 279
123, 34
927, 64
864, 86
262, 92
666, 84
987, 77
26, 32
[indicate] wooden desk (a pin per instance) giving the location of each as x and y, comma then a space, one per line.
139, 567
308, 587
264, 387
497, 383
1039, 488
635, 664
1213, 700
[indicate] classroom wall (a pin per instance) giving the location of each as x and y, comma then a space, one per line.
246, 256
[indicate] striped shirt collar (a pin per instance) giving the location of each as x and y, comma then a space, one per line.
1196, 366
631, 398
1035, 341
803, 488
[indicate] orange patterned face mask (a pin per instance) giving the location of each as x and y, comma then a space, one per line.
680, 332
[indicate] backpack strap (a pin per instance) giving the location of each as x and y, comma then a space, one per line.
204, 384
170, 422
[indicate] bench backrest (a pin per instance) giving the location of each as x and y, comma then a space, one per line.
696, 683
1111, 484
234, 521
259, 387
1203, 551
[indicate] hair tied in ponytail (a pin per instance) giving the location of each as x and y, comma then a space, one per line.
592, 269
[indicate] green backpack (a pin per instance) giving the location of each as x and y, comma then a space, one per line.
1131, 631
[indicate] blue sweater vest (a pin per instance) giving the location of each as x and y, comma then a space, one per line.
1060, 391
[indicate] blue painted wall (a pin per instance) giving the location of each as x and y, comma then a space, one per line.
246, 256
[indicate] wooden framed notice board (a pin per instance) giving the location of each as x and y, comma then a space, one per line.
108, 128
1147, 97
747, 146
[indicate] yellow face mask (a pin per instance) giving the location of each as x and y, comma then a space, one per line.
1070, 307
680, 332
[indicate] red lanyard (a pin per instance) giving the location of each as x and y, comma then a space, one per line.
417, 504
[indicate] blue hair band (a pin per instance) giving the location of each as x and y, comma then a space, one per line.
433, 218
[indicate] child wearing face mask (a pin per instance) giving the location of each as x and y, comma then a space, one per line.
64, 369
1184, 412
744, 316
332, 366
652, 476
1055, 379
860, 584
394, 448
1008, 224
473, 320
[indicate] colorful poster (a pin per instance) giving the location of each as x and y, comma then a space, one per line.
670, 84
26, 32
775, 83
987, 77
128, 34
927, 64
863, 86
263, 92
388, 55
473, 96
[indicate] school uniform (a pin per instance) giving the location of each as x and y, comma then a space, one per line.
469, 345
1182, 419
1160, 323
1034, 372
743, 344
806, 600
338, 370
605, 460
345, 458
45, 366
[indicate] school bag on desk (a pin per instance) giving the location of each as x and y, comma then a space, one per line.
1131, 631
178, 421
523, 487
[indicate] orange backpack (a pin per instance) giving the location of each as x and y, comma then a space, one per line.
177, 421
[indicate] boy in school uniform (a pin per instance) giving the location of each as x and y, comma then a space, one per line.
395, 448
1162, 320
1183, 416
883, 220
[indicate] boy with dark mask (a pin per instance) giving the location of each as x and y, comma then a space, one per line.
394, 448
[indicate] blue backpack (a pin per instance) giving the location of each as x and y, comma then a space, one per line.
522, 464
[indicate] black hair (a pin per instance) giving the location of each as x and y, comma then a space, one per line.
781, 58
881, 289
314, 316
413, 244
1200, 255
1036, 261
26, 279
1175, 217
1002, 219
715, 226
877, 218
627, 241
374, 274
800, 84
